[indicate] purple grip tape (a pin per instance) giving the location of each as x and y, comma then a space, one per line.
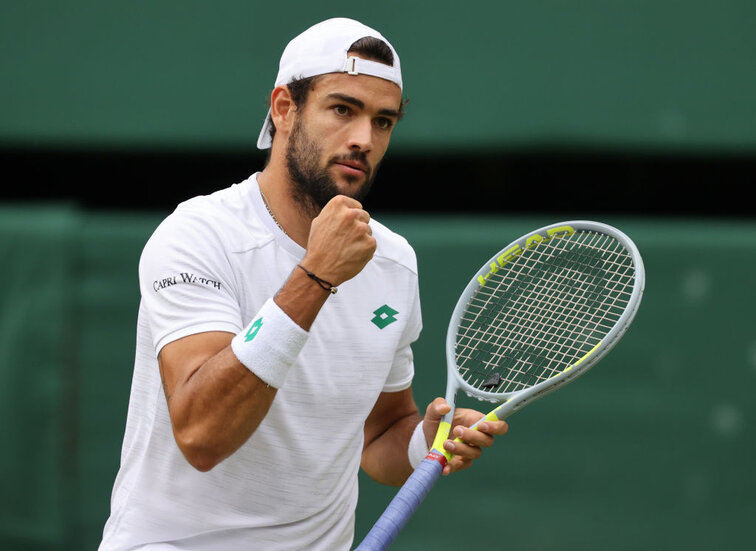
401, 508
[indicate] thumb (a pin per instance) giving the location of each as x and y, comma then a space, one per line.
433, 415
436, 410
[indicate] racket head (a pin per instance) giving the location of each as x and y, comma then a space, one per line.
578, 284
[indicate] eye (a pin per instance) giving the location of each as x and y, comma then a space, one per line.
384, 123
341, 110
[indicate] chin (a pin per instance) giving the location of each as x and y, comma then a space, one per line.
349, 185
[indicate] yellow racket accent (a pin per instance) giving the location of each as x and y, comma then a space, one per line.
581, 360
441, 435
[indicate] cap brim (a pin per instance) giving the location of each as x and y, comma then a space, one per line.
263, 140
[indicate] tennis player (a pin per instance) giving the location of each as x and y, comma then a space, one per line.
275, 329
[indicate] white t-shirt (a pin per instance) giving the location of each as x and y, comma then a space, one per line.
210, 266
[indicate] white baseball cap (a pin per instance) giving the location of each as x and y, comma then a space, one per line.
322, 49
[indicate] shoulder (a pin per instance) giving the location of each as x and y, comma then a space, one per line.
225, 219
393, 247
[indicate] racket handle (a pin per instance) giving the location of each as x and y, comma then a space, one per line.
401, 508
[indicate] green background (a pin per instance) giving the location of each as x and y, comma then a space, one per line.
654, 448
662, 74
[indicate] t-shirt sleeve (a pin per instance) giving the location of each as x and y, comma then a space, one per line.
186, 280
403, 369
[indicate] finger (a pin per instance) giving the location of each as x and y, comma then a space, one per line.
467, 417
363, 215
463, 450
473, 437
494, 427
457, 463
344, 201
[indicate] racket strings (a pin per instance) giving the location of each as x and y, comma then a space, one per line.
530, 335
543, 311
535, 324
528, 306
531, 325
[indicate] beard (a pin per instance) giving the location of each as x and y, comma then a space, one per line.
312, 184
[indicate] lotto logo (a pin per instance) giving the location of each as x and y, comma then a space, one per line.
253, 330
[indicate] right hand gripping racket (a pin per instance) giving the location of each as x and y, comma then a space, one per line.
540, 313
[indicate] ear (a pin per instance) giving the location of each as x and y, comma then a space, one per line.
282, 109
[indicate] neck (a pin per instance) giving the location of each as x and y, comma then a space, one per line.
292, 216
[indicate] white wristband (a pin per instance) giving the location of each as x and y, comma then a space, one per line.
270, 344
418, 447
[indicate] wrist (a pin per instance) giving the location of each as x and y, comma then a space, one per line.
270, 344
418, 446
322, 283
320, 265
301, 298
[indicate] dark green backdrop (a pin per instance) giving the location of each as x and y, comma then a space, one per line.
664, 74
653, 449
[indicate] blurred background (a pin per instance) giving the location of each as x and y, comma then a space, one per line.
641, 114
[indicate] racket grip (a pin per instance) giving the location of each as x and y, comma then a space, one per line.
401, 508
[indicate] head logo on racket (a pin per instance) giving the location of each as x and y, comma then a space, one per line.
515, 250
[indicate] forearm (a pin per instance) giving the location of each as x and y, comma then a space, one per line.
385, 459
217, 409
218, 405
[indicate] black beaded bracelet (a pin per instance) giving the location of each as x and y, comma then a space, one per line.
322, 282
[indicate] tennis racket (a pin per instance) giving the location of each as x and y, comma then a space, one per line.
540, 313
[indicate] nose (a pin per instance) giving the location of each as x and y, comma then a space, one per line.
361, 135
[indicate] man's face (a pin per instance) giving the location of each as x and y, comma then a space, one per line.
340, 136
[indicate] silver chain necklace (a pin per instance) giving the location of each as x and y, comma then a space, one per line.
270, 211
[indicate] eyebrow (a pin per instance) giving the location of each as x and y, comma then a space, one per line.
360, 104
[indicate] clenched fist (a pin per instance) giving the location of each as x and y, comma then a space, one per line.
341, 242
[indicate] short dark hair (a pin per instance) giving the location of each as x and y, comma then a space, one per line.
368, 47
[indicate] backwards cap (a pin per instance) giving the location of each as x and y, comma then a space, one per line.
322, 49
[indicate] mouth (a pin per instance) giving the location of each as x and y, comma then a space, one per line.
355, 168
